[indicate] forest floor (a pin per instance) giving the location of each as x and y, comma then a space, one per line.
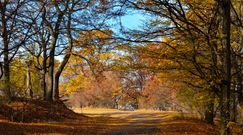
147, 122
38, 119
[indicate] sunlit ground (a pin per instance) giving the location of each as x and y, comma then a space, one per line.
148, 122
102, 121
91, 111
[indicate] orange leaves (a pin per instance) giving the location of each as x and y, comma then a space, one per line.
88, 36
148, 3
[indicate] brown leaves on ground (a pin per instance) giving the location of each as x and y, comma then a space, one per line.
33, 110
54, 118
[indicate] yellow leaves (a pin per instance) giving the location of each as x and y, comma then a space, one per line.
221, 36
104, 33
77, 83
200, 3
94, 34
165, 39
106, 56
18, 71
235, 44
231, 124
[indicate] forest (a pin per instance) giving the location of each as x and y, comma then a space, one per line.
104, 66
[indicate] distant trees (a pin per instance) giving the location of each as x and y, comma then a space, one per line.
158, 95
85, 88
89, 74
23, 76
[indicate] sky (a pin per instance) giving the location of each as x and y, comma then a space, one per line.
132, 21
129, 21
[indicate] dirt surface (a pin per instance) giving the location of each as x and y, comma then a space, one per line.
37, 119
151, 122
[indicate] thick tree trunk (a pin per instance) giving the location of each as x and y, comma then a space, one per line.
44, 83
6, 68
56, 95
209, 113
49, 93
6, 73
50, 80
54, 34
209, 116
44, 46
58, 74
225, 95
51, 73
65, 59
44, 74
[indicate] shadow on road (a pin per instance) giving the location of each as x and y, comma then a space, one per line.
152, 123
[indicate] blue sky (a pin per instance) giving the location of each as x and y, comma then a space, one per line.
133, 21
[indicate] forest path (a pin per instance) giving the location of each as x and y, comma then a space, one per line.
146, 122
112, 122
127, 122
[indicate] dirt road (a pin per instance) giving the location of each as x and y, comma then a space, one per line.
112, 122
148, 122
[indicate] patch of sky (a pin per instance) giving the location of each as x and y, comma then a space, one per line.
131, 20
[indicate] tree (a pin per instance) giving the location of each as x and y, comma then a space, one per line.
19, 72
90, 69
1, 70
28, 80
225, 6
14, 33
58, 29
195, 41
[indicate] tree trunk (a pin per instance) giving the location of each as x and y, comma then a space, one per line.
65, 59
44, 62
1, 70
51, 73
209, 113
49, 93
58, 74
44, 84
226, 81
56, 95
6, 74
6, 68
28, 81
54, 35
44, 74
